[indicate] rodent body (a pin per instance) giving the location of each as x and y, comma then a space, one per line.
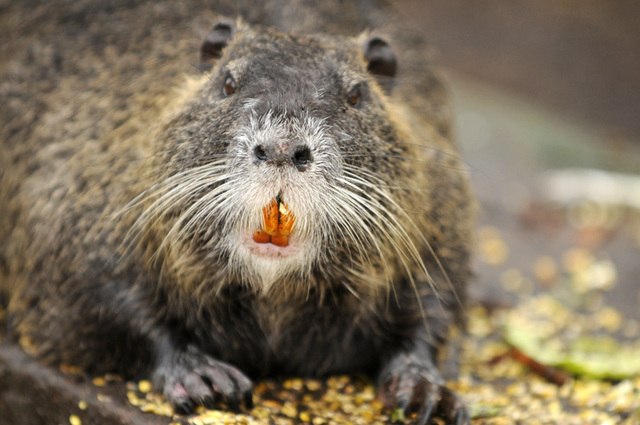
130, 193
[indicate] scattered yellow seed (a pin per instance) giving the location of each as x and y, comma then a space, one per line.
545, 269
293, 384
576, 259
133, 398
99, 381
144, 386
593, 301
289, 410
74, 420
313, 385
304, 417
272, 404
479, 328
494, 251
609, 318
597, 275
73, 370
82, 405
604, 275
543, 389
566, 389
554, 407
512, 280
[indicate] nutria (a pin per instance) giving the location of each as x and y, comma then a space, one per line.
282, 198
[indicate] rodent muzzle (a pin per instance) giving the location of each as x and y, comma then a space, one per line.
280, 154
277, 225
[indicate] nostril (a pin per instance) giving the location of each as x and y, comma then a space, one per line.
259, 152
302, 156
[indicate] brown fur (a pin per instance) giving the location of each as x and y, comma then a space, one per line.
102, 102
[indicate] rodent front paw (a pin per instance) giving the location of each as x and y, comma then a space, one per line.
194, 378
412, 389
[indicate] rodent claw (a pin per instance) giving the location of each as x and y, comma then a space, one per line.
427, 409
196, 379
248, 399
462, 417
209, 402
411, 390
403, 402
183, 406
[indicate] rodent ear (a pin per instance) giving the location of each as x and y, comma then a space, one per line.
217, 39
381, 61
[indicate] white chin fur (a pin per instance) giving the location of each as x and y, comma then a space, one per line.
270, 263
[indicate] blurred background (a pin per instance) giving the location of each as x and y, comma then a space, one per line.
547, 101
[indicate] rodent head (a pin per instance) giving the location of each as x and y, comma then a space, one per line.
300, 119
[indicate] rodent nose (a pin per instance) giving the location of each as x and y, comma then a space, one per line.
297, 154
301, 157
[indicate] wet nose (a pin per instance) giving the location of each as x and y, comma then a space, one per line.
287, 153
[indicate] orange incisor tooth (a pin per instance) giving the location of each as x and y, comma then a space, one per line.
280, 240
278, 224
285, 220
260, 236
270, 213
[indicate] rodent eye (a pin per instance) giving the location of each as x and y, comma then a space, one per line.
354, 96
229, 87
